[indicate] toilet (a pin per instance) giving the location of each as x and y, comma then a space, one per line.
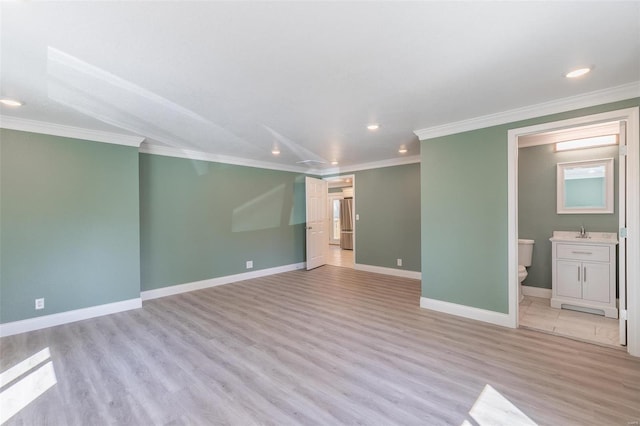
525, 254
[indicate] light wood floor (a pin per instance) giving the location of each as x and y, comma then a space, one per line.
329, 346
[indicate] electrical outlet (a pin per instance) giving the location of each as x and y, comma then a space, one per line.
39, 304
357, 217
249, 264
399, 262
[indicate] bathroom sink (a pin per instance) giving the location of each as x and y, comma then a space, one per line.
589, 237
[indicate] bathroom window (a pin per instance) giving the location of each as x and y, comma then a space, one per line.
585, 187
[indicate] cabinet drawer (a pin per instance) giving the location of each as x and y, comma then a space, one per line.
594, 253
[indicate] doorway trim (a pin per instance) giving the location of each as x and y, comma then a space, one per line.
330, 199
632, 117
351, 176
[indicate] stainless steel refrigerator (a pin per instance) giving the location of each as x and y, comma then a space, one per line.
346, 224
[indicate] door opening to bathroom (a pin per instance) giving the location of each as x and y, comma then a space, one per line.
581, 281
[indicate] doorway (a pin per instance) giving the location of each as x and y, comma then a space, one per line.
628, 208
341, 214
562, 186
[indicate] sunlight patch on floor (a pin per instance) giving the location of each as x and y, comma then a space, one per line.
493, 409
25, 390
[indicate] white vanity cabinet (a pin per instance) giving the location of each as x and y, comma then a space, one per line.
584, 274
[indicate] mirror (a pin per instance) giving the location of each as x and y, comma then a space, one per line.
585, 187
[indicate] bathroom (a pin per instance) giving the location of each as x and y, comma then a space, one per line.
538, 218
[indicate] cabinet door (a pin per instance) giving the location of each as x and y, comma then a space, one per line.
569, 278
595, 278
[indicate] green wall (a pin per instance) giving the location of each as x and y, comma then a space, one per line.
464, 217
388, 202
537, 217
85, 223
202, 220
69, 224
464, 212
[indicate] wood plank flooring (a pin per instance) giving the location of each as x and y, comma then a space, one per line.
329, 346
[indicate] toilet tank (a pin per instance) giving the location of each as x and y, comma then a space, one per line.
525, 252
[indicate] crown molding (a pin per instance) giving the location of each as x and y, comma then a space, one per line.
411, 159
166, 151
24, 125
33, 126
147, 148
599, 97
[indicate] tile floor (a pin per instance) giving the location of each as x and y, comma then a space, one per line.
338, 257
537, 314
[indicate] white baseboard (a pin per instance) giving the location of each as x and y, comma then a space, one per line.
46, 321
470, 312
212, 282
545, 293
388, 271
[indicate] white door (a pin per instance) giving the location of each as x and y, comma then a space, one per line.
622, 244
316, 196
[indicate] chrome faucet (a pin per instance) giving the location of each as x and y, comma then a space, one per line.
583, 233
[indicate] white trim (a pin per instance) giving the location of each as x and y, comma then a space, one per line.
331, 197
544, 293
512, 229
353, 197
561, 169
633, 232
569, 134
411, 159
470, 312
42, 127
632, 118
213, 282
46, 321
599, 97
24, 125
388, 271
167, 151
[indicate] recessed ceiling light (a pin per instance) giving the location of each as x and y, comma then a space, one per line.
403, 150
577, 73
334, 163
373, 126
275, 151
10, 102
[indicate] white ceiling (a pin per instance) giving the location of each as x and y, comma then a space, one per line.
236, 79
